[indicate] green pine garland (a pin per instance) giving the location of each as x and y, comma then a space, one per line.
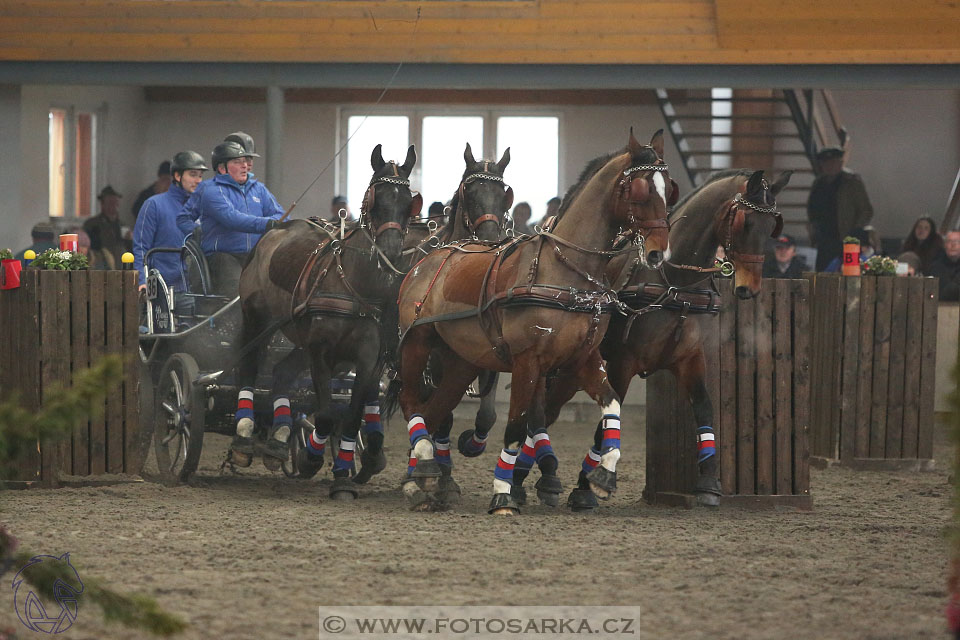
20, 429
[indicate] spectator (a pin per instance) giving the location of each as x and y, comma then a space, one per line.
924, 241
947, 267
336, 204
553, 207
106, 236
160, 185
838, 203
438, 213
785, 262
911, 261
521, 219
157, 222
42, 236
234, 211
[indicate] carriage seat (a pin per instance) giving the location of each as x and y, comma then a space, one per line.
198, 270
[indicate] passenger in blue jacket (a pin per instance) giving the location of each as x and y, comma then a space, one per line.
235, 210
156, 222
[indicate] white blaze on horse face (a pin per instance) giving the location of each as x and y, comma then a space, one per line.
660, 185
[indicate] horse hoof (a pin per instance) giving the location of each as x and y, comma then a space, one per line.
581, 500
418, 499
464, 443
308, 464
603, 482
370, 466
549, 489
343, 490
708, 491
240, 459
519, 494
708, 499
271, 463
503, 504
448, 491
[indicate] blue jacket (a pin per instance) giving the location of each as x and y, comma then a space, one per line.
188, 218
157, 227
233, 216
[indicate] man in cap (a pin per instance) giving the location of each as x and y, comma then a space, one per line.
106, 238
234, 211
42, 236
157, 221
838, 203
785, 263
160, 185
336, 204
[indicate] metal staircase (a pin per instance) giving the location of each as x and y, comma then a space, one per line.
774, 130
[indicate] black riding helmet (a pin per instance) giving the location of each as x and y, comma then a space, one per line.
245, 140
227, 151
186, 160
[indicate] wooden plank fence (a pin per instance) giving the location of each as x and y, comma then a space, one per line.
873, 358
758, 377
58, 322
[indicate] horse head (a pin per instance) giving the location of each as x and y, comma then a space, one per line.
644, 192
483, 198
388, 204
743, 226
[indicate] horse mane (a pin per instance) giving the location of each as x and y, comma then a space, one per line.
593, 167
719, 175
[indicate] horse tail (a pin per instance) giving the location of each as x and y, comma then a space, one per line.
391, 398
389, 354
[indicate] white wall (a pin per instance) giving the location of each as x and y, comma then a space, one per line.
14, 225
906, 145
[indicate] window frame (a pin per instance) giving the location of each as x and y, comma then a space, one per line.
70, 130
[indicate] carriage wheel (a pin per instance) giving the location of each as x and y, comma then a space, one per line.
147, 406
297, 441
180, 412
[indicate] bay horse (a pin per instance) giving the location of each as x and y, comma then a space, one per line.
530, 307
735, 209
478, 209
333, 291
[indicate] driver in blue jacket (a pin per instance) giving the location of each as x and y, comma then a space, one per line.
156, 222
234, 211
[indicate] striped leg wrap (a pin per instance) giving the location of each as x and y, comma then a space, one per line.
504, 469
245, 423
282, 420
443, 451
591, 460
371, 418
417, 429
706, 445
316, 444
478, 442
611, 432
541, 446
412, 464
526, 456
344, 459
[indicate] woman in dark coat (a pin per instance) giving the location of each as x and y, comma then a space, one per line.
924, 241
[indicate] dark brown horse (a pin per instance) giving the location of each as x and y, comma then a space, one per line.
529, 307
333, 289
736, 210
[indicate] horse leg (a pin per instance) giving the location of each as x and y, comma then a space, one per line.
690, 374
365, 404
242, 447
275, 450
448, 491
310, 458
472, 442
527, 400
583, 498
603, 478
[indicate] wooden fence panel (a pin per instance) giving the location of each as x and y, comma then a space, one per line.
746, 387
131, 375
881, 367
765, 459
898, 339
728, 386
80, 359
868, 294
910, 388
783, 364
800, 297
928, 366
850, 350
114, 322
98, 333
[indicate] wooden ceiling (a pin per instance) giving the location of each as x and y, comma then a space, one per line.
483, 31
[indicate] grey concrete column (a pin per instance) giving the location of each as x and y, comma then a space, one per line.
274, 151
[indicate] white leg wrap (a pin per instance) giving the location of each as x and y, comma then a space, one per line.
423, 450
245, 427
282, 433
501, 486
609, 460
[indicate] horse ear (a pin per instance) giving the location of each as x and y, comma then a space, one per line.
633, 145
411, 160
468, 156
508, 199
504, 160
754, 183
657, 142
780, 182
376, 158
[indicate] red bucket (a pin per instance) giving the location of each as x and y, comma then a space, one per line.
69, 242
10, 275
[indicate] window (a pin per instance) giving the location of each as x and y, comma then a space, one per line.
72, 162
721, 110
440, 139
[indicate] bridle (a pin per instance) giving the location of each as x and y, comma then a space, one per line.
366, 207
473, 225
733, 220
634, 193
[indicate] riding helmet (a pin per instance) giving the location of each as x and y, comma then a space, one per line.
188, 160
227, 151
245, 140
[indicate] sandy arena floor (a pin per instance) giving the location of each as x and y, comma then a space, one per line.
252, 556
